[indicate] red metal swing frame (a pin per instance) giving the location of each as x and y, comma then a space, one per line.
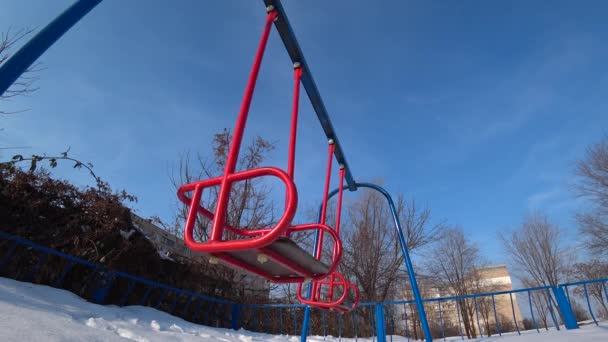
336, 281
257, 239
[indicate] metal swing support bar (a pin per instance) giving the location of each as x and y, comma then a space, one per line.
295, 53
18, 63
408, 263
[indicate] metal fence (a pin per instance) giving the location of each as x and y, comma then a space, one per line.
531, 310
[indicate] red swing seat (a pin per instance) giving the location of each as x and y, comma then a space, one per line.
267, 252
333, 293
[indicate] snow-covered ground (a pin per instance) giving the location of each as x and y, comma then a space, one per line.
31, 312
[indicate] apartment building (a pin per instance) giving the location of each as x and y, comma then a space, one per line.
449, 314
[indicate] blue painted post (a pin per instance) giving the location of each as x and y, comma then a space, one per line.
161, 298
605, 291
174, 304
12, 69
551, 310
390, 319
406, 256
41, 259
197, 312
340, 327
355, 324
371, 321
589, 304
513, 311
324, 324
565, 308
532, 311
255, 320
295, 323
101, 292
380, 331
407, 332
477, 315
496, 317
441, 321
125, 296
187, 306
145, 297
459, 321
236, 309
65, 271
268, 320
281, 319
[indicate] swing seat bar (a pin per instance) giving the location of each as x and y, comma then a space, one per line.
336, 283
266, 252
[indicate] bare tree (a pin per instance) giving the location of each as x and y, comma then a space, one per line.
453, 264
593, 269
24, 84
537, 251
592, 172
372, 254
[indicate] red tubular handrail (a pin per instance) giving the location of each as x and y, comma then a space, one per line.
264, 236
237, 137
291, 158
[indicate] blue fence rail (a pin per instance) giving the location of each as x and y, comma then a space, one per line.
26, 261
480, 315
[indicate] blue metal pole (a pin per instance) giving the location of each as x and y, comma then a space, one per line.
565, 308
605, 291
406, 256
292, 46
295, 323
532, 312
145, 297
281, 318
441, 321
12, 69
125, 297
380, 330
355, 324
198, 310
459, 322
390, 318
340, 326
513, 311
551, 310
187, 306
324, 324
407, 333
496, 317
174, 303
477, 315
236, 309
589, 304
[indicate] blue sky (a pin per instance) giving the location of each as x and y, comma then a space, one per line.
477, 109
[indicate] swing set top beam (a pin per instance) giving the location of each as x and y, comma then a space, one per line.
295, 53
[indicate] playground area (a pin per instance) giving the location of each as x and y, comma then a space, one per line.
35, 313
73, 290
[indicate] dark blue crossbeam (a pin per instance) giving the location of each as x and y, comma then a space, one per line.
295, 53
